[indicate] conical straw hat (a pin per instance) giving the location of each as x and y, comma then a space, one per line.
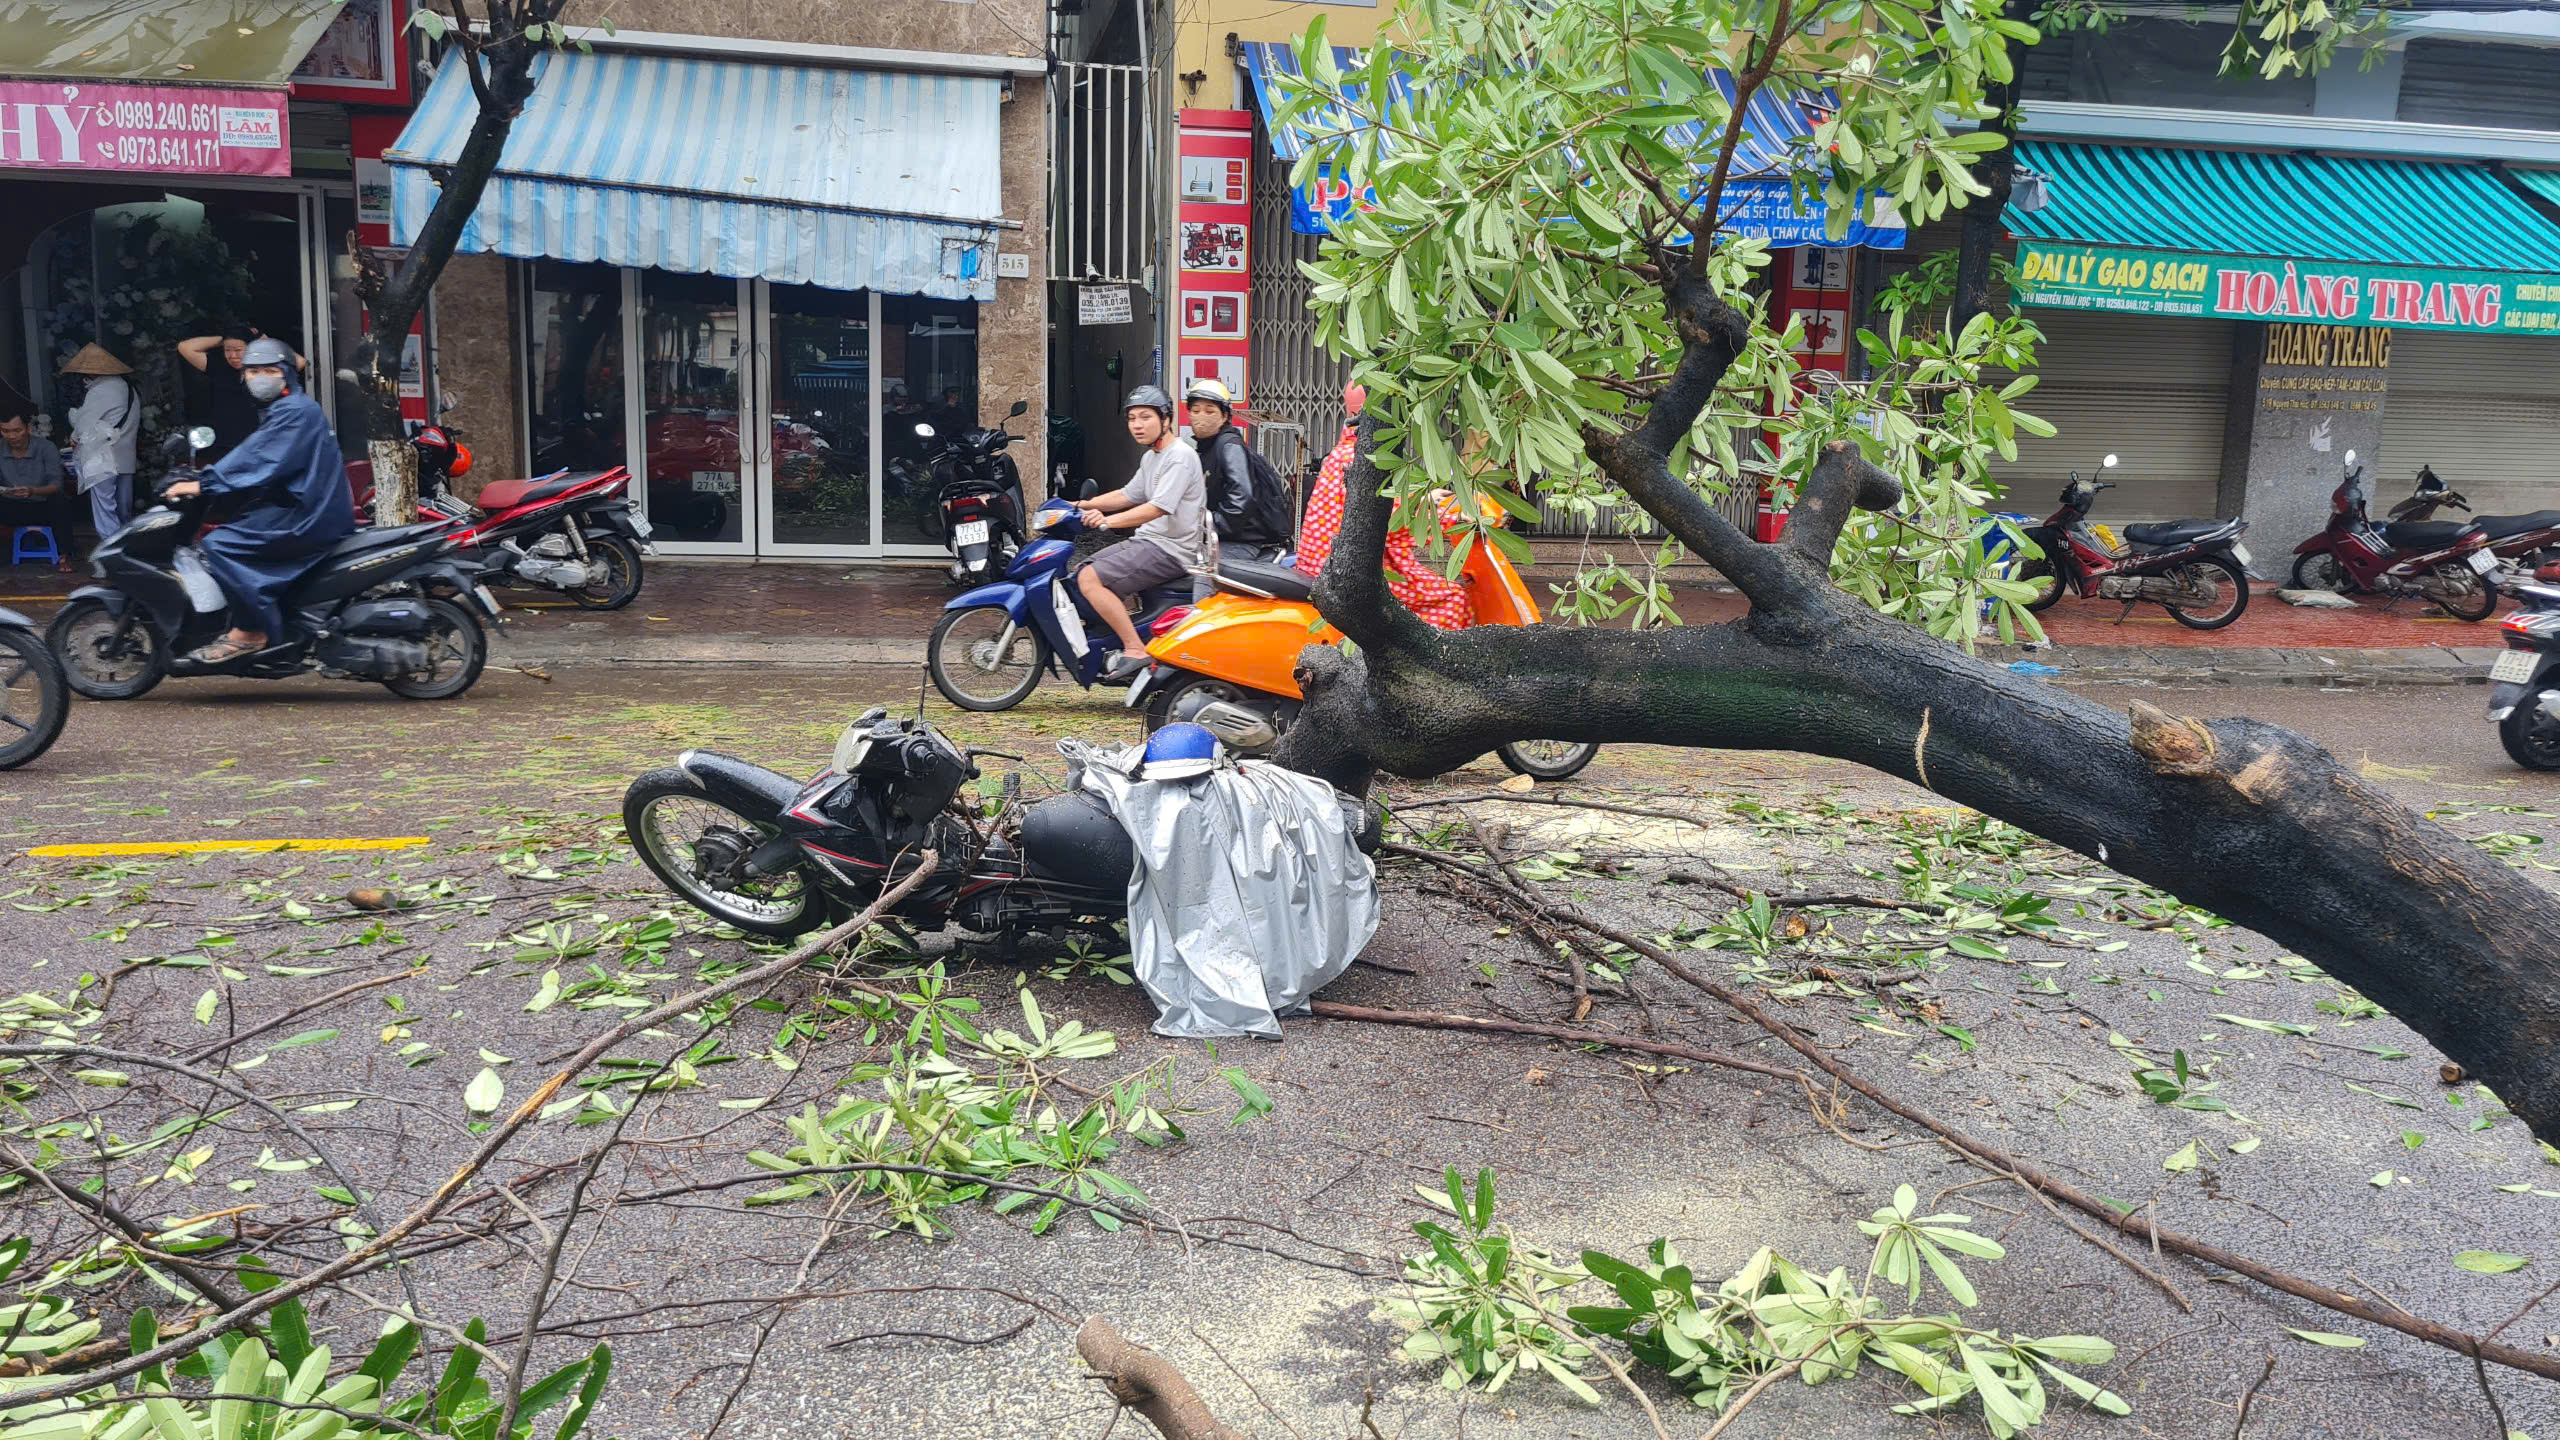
93, 359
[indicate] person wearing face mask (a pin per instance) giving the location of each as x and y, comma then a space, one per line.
295, 491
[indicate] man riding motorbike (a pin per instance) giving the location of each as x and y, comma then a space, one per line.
1166, 504
290, 464
1247, 500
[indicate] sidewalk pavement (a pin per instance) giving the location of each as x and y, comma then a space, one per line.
720, 613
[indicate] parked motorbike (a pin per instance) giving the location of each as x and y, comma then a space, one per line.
34, 698
2522, 543
2445, 561
977, 507
993, 643
398, 605
2194, 569
1229, 664
760, 851
2524, 681
571, 531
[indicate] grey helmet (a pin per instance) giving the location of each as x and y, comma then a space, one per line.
1149, 397
267, 350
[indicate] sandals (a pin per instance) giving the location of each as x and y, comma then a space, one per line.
223, 651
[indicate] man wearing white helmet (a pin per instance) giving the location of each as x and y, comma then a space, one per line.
1166, 504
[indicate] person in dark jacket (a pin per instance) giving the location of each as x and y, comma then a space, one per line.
1245, 517
290, 472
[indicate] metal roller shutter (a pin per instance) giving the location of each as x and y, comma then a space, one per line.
2461, 82
2484, 410
2151, 389
1295, 389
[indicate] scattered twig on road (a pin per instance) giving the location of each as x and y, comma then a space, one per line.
1763, 1383
2250, 1396
199, 1056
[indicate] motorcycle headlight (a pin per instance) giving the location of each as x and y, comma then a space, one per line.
154, 520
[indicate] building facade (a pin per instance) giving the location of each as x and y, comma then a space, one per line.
747, 250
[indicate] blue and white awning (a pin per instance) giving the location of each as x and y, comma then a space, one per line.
1759, 200
850, 179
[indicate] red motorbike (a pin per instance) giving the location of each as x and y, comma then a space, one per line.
2522, 543
571, 531
2446, 561
2194, 569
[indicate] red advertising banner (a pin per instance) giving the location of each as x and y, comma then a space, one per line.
155, 129
1214, 248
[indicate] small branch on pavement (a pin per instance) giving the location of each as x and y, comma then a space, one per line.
1141, 1380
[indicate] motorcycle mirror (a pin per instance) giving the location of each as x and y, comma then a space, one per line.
2107, 464
200, 438
925, 431
2351, 457
1020, 408
1088, 489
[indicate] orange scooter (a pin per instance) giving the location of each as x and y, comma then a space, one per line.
1228, 666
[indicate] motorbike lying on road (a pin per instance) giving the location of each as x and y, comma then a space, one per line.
1229, 664
2522, 543
977, 505
34, 698
398, 606
993, 643
571, 530
2445, 561
772, 856
2524, 681
2194, 569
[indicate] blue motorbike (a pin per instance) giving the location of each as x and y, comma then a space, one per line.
994, 643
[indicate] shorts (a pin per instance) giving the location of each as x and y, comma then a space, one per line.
1136, 565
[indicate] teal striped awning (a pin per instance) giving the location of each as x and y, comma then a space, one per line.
798, 174
2545, 183
2229, 202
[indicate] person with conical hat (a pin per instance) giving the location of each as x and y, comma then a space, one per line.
103, 429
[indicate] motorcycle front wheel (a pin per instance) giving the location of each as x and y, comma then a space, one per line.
2462, 592
2320, 570
681, 832
34, 698
2229, 585
2049, 587
1548, 759
968, 669
621, 582
457, 648
100, 663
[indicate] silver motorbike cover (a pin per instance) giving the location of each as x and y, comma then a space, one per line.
1249, 892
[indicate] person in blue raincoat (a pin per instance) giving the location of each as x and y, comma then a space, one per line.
290, 464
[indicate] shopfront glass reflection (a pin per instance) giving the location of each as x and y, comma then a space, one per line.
691, 351
928, 374
821, 386
574, 320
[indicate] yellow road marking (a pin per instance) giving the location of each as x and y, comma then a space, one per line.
32, 599
201, 847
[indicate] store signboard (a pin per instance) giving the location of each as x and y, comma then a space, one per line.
151, 129
1214, 249
2242, 287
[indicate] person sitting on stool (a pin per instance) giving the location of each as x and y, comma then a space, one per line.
291, 464
34, 486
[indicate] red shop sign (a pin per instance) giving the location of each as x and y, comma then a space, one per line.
162, 129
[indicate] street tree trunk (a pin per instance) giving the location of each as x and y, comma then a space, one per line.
500, 54
2241, 818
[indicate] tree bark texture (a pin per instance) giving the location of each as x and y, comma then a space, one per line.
500, 63
2241, 818
1148, 1383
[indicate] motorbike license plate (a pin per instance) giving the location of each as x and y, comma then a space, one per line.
969, 532
714, 482
2481, 560
640, 526
1070, 624
2240, 553
487, 599
2515, 667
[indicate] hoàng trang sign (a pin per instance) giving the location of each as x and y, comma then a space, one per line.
2246, 287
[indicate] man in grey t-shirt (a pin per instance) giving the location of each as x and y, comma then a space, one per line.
1166, 502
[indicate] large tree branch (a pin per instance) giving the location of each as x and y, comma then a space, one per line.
1353, 592
1842, 480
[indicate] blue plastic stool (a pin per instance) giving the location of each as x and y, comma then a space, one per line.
21, 550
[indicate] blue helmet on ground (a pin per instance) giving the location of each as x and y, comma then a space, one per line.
1179, 752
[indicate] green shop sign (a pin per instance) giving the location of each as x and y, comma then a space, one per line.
2241, 287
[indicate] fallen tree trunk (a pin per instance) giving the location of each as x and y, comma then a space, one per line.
1148, 1383
2244, 819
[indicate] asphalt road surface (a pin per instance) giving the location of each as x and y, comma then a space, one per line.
2326, 1155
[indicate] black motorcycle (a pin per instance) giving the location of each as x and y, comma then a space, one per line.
977, 506
2524, 681
395, 606
769, 855
34, 699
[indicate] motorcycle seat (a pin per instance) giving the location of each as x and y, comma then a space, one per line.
2164, 533
508, 494
2422, 535
2499, 527
1252, 577
380, 537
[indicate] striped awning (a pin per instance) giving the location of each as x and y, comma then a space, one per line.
1759, 193
850, 179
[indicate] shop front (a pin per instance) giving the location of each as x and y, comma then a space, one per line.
756, 285
182, 173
